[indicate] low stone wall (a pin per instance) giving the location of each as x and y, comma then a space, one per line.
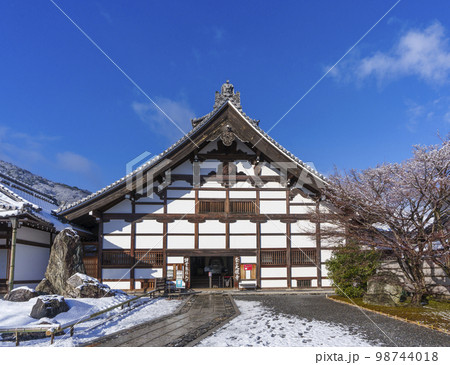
434, 276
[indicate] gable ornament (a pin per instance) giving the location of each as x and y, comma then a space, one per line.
227, 136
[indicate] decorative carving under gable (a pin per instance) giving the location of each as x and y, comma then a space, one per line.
227, 136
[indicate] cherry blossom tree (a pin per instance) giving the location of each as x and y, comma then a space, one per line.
400, 207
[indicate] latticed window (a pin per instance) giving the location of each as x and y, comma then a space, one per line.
117, 258
304, 283
211, 206
304, 256
242, 206
141, 258
148, 258
274, 258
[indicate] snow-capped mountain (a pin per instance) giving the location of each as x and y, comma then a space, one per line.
61, 192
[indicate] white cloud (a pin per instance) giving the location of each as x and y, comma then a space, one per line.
435, 112
74, 162
422, 53
23, 148
179, 111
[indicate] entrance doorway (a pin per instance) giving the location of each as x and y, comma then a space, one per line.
212, 272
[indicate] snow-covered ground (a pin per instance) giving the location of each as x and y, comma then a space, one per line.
17, 314
261, 326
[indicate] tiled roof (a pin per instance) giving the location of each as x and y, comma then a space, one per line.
198, 125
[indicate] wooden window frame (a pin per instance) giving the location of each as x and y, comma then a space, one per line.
304, 257
277, 258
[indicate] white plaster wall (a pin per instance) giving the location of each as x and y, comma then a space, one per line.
181, 206
313, 283
180, 226
149, 242
267, 170
303, 226
331, 242
273, 195
117, 242
149, 209
272, 185
149, 226
245, 167
180, 242
301, 199
121, 285
240, 194
248, 259
326, 255
273, 241
180, 184
273, 226
211, 226
326, 282
208, 166
155, 273
273, 272
211, 184
212, 242
242, 241
153, 198
3, 263
273, 283
31, 262
211, 194
113, 274
323, 209
123, 207
241, 185
175, 259
299, 209
304, 272
184, 169
243, 226
116, 226
272, 207
324, 270
174, 194
329, 227
33, 235
303, 241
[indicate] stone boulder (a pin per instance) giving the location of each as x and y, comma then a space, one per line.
384, 288
49, 306
66, 259
84, 286
21, 294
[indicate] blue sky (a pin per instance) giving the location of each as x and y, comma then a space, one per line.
67, 113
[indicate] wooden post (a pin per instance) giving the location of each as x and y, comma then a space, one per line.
318, 250
14, 225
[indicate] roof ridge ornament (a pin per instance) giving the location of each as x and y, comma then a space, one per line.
225, 94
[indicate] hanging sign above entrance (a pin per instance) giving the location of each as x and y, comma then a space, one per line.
248, 267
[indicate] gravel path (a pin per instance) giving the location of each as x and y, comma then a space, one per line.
319, 308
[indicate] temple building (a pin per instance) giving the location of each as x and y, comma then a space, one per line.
226, 206
28, 226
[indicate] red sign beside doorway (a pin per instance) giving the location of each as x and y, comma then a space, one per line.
248, 267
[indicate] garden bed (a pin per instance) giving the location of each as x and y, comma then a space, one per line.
435, 315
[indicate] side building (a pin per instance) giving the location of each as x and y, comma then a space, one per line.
225, 206
27, 229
